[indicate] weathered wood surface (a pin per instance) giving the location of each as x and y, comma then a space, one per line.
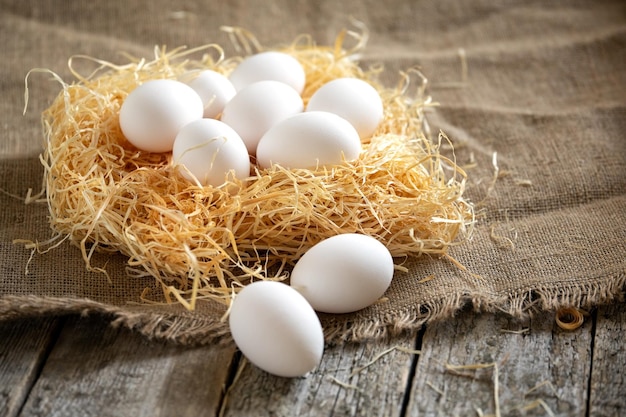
82, 367
538, 366
23, 351
608, 371
352, 380
95, 370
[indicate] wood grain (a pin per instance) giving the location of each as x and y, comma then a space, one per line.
352, 380
539, 367
24, 346
608, 377
96, 370
83, 367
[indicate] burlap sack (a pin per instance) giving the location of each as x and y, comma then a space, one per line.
532, 95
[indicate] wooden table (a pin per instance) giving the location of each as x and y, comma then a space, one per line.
473, 365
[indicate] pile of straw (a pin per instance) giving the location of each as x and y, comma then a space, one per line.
202, 242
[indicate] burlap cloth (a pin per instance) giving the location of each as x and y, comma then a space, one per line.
539, 100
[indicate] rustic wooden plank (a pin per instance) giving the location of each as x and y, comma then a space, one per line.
343, 384
539, 367
24, 346
608, 374
97, 370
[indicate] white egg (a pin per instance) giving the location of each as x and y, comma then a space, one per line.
270, 65
210, 150
258, 107
214, 89
154, 112
343, 273
308, 140
353, 99
276, 329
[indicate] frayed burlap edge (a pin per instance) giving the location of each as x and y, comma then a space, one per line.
195, 329
186, 329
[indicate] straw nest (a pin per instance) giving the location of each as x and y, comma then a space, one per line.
204, 242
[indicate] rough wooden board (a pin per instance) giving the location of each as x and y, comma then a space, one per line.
331, 390
608, 375
544, 364
24, 346
95, 370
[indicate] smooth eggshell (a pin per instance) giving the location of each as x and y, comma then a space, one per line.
276, 329
353, 99
308, 140
343, 273
270, 65
154, 112
258, 107
214, 89
209, 149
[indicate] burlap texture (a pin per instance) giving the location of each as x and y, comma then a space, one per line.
542, 104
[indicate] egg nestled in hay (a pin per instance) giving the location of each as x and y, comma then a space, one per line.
197, 239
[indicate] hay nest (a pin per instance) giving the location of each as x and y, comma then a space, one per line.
204, 242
